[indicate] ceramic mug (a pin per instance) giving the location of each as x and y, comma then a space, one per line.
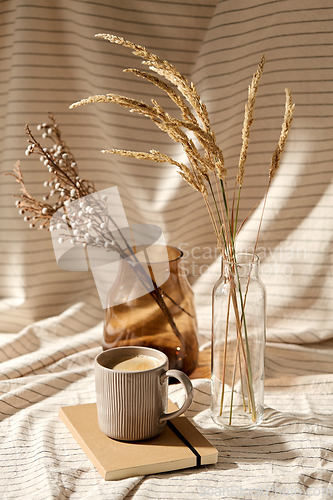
132, 405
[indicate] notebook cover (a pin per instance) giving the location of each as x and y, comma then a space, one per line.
118, 459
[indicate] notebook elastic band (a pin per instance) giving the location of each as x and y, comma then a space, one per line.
185, 441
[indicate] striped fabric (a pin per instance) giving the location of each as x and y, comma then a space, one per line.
50, 319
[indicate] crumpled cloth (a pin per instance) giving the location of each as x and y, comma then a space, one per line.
288, 456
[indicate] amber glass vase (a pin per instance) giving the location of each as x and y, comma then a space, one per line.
164, 319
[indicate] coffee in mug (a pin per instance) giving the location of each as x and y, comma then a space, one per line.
134, 363
132, 392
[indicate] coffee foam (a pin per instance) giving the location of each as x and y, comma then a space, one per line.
140, 362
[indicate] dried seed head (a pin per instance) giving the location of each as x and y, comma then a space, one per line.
220, 170
288, 117
248, 120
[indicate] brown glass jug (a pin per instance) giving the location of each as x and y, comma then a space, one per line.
164, 318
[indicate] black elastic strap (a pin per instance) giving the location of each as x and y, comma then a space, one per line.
185, 441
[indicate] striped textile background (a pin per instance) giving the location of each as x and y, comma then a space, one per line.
50, 319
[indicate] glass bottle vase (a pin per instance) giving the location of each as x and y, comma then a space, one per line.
238, 344
164, 319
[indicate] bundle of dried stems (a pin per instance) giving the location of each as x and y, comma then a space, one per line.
205, 161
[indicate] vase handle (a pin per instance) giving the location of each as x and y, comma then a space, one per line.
187, 384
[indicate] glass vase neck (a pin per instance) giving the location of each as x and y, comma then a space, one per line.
242, 266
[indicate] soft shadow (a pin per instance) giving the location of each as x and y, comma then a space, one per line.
262, 443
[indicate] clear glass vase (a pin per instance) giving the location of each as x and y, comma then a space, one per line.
238, 344
164, 319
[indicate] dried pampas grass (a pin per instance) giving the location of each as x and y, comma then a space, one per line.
205, 158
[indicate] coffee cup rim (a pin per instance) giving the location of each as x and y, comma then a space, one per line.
155, 353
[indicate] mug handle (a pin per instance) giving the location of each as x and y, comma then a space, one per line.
187, 384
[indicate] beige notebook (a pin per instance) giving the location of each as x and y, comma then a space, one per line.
179, 446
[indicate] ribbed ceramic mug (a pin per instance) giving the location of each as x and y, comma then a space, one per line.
132, 405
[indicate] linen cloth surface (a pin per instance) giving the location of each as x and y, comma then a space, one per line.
51, 320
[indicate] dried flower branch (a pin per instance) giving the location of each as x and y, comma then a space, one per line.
64, 181
275, 162
185, 110
213, 158
248, 119
41, 212
166, 69
288, 117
